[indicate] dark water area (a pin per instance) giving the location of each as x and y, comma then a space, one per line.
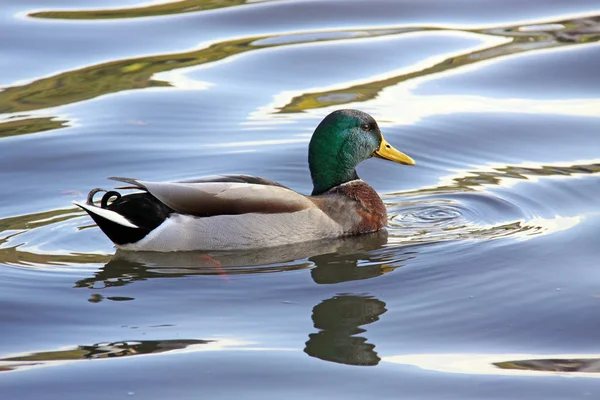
483, 286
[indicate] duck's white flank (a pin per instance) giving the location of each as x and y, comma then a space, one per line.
227, 232
108, 214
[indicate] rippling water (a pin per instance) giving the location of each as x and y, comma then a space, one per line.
484, 285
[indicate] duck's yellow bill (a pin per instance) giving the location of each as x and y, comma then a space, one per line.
386, 151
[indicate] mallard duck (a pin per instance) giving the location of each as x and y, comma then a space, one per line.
232, 212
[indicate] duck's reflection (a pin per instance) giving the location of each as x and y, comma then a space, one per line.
339, 319
334, 261
336, 268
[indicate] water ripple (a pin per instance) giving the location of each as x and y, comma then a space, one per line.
470, 206
458, 216
443, 214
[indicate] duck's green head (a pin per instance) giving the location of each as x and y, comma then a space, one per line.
340, 142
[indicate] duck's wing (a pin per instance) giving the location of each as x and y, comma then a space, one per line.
223, 196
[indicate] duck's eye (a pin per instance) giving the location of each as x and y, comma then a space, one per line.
365, 127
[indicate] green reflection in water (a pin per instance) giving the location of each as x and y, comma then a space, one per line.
554, 365
176, 7
30, 125
97, 351
87, 83
136, 73
575, 31
37, 220
472, 180
339, 319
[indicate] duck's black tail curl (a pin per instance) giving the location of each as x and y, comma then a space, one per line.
128, 218
105, 198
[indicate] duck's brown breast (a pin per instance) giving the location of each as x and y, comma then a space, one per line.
354, 205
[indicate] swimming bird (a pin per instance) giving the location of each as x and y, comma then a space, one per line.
231, 212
